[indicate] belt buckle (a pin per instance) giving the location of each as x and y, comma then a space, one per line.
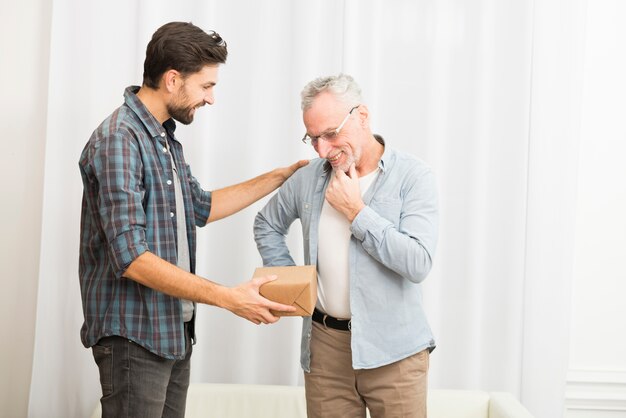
324, 321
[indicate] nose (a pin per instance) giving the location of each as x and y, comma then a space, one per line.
209, 98
323, 148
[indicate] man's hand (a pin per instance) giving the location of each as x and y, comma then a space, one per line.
286, 172
229, 200
344, 194
245, 301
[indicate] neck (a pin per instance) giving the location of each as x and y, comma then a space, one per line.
154, 101
372, 152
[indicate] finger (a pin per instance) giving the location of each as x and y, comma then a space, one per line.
260, 281
279, 307
352, 171
270, 319
265, 316
297, 165
328, 195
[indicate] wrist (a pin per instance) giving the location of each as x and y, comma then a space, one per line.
354, 213
221, 296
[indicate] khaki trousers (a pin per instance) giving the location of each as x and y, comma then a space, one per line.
334, 389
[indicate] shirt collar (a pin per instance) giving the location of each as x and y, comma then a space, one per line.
154, 128
386, 157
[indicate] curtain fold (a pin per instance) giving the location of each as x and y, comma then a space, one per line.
448, 80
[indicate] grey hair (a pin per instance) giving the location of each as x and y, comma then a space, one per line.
342, 86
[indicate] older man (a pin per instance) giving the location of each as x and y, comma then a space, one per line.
369, 222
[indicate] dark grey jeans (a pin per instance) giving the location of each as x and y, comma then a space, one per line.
137, 383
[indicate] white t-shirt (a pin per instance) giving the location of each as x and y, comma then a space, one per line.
184, 262
333, 278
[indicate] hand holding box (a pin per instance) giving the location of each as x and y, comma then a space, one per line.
295, 286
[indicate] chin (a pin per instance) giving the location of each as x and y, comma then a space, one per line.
343, 167
185, 121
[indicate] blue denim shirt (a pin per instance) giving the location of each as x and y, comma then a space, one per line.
391, 251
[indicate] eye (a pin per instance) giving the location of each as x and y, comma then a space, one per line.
330, 135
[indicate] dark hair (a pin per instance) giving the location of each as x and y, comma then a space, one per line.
183, 47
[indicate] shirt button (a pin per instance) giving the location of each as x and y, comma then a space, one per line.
171, 214
164, 149
169, 182
163, 134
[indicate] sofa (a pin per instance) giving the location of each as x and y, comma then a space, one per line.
213, 400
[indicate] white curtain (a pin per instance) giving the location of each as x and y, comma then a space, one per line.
468, 86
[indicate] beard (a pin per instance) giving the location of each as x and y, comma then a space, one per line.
181, 110
182, 114
352, 156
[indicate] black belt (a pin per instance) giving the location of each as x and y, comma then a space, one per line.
331, 322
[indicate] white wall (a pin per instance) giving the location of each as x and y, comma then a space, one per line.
596, 385
24, 44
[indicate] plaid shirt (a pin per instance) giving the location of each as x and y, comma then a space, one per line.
129, 208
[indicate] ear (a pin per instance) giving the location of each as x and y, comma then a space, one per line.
172, 80
364, 115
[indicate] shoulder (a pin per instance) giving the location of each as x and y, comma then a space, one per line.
304, 181
122, 122
116, 135
314, 169
122, 128
407, 163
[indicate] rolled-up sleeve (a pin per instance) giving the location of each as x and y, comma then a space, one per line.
201, 200
117, 169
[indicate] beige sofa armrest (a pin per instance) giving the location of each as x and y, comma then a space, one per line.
504, 405
446, 403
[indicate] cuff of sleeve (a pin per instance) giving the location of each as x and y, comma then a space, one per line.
364, 221
202, 207
127, 247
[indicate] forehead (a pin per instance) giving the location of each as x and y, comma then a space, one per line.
324, 109
207, 75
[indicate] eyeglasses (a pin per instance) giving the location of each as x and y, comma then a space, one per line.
329, 136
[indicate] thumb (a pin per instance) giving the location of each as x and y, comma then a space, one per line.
260, 281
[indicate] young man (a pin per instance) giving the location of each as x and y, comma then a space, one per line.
369, 222
141, 205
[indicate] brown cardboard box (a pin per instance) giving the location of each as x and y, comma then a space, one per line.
295, 285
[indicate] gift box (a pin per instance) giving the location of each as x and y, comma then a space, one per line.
295, 286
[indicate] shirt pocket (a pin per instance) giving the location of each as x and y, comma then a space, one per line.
388, 208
